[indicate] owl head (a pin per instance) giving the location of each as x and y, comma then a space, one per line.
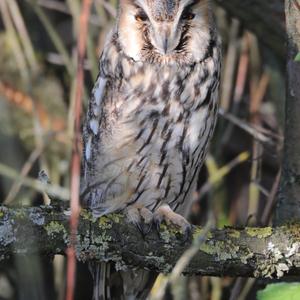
165, 31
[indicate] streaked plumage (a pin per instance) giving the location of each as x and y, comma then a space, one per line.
153, 107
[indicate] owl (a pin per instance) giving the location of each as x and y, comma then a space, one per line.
151, 115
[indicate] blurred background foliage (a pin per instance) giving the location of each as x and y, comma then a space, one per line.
237, 186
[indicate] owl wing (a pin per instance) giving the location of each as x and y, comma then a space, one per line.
93, 120
92, 137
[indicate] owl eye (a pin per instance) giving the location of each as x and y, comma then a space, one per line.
141, 17
187, 15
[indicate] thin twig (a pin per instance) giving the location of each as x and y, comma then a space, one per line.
271, 200
14, 41
222, 173
54, 5
23, 34
246, 127
182, 263
230, 65
109, 8
239, 86
55, 191
63, 8
55, 38
24, 172
75, 164
256, 101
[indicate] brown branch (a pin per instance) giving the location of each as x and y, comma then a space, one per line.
245, 252
76, 151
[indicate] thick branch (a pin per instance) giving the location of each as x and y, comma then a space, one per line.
262, 19
236, 252
288, 207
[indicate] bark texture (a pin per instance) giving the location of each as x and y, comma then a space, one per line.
264, 18
288, 206
259, 252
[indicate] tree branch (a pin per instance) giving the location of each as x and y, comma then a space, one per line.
262, 19
259, 252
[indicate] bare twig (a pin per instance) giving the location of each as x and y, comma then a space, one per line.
253, 131
230, 65
257, 150
221, 173
15, 44
271, 201
76, 152
55, 38
55, 5
112, 10
51, 189
23, 34
24, 172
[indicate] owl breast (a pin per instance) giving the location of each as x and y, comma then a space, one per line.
153, 133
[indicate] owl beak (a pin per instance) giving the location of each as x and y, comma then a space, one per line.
163, 39
165, 45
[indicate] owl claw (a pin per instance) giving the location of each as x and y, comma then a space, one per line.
165, 213
141, 217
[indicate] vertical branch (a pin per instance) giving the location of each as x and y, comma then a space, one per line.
75, 164
288, 206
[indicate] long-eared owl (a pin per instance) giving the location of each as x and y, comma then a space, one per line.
153, 110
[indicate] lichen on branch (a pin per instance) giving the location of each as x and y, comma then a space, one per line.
250, 252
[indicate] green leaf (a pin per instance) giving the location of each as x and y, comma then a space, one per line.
280, 291
297, 58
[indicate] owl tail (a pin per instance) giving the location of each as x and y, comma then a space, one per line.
100, 273
110, 284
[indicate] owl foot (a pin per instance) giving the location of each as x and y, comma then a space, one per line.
140, 216
165, 213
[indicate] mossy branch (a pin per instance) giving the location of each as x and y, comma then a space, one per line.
259, 252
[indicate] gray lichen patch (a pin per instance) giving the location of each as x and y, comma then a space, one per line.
120, 265
275, 264
245, 255
37, 218
55, 228
159, 262
7, 235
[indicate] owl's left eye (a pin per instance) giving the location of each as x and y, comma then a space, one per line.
187, 14
141, 16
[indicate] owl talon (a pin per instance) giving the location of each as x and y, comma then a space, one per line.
165, 213
145, 228
141, 217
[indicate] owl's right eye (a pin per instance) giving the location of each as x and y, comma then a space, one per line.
141, 16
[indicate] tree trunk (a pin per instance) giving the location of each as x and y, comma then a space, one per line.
288, 205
